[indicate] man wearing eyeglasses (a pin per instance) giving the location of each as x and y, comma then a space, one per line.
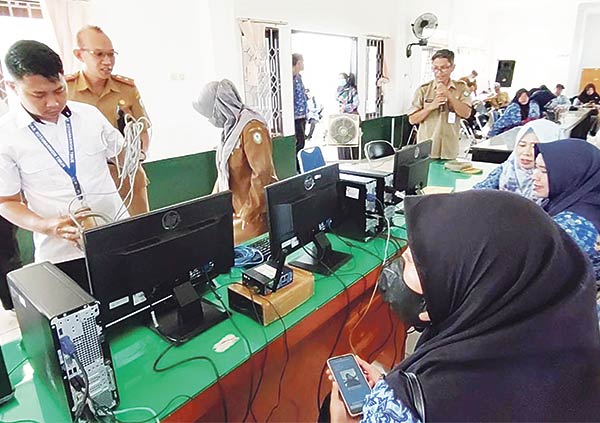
114, 96
438, 107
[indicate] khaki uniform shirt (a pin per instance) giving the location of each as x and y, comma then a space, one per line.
499, 100
251, 169
119, 91
436, 127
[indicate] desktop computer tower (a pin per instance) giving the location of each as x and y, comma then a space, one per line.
358, 205
61, 332
385, 189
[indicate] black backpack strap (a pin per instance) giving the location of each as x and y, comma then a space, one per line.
416, 392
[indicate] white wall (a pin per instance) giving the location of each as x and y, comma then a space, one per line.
537, 34
585, 48
171, 51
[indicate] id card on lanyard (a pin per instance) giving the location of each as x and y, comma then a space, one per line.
71, 169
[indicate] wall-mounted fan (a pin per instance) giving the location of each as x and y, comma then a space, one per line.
343, 130
423, 28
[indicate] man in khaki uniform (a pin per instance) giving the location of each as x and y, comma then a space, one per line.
500, 99
96, 85
438, 107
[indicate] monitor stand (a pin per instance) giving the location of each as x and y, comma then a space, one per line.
321, 258
185, 315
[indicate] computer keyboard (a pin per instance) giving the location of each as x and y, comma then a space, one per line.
252, 254
263, 245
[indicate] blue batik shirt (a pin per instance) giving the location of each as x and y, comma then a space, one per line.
300, 103
512, 117
381, 406
492, 181
584, 233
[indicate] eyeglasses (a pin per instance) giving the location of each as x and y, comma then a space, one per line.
101, 54
440, 68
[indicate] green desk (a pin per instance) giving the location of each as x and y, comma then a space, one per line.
292, 360
332, 309
439, 176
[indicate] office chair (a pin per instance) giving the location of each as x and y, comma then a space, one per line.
310, 158
412, 137
378, 149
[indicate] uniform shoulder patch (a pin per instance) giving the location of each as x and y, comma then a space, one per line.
256, 131
124, 80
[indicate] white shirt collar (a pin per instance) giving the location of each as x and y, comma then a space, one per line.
24, 118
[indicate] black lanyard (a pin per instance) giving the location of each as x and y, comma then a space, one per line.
70, 170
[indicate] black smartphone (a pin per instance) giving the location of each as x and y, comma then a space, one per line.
352, 382
6, 389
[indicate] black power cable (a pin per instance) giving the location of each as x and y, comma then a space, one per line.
339, 335
187, 360
86, 394
287, 355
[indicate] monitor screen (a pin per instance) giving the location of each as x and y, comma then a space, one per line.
300, 209
137, 262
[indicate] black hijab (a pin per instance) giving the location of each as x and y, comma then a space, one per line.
514, 334
584, 97
524, 107
573, 168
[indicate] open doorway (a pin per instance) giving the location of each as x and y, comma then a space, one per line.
325, 57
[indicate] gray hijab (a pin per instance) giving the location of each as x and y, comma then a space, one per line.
220, 102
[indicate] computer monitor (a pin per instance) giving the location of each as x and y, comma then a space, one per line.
162, 262
300, 210
411, 167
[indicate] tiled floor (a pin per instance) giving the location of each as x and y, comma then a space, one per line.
9, 328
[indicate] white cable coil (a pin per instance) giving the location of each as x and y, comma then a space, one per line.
127, 163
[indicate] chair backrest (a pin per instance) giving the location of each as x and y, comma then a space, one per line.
378, 149
310, 158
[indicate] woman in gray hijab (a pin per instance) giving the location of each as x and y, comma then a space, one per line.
244, 155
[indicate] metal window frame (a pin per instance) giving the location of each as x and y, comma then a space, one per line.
376, 42
13, 7
274, 58
265, 98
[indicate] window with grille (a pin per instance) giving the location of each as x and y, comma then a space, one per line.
262, 80
21, 8
374, 103
15, 9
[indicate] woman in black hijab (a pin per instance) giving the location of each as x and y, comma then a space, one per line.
508, 301
589, 95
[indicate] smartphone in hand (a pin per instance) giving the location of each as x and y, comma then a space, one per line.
352, 382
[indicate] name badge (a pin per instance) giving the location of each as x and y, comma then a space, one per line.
451, 117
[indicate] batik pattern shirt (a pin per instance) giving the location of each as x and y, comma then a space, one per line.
381, 406
300, 103
492, 181
585, 234
512, 117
